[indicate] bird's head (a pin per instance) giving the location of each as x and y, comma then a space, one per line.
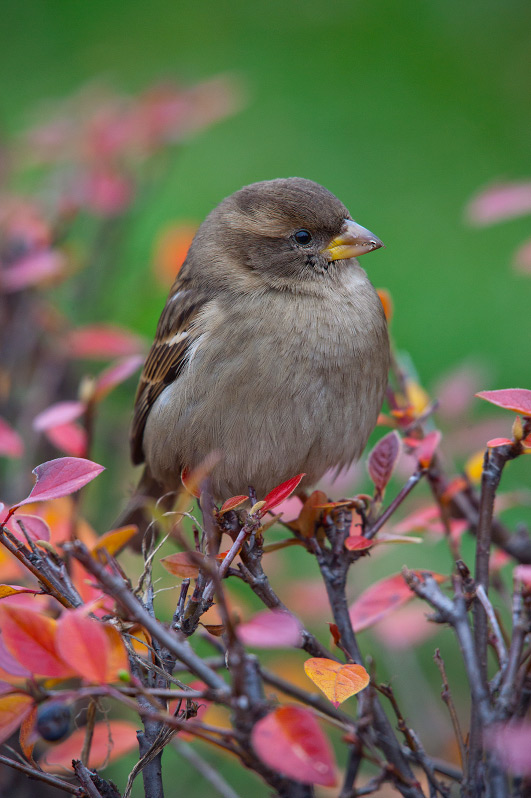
289, 232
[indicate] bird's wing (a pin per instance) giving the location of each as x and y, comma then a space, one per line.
167, 356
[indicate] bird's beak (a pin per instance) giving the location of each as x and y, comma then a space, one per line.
352, 241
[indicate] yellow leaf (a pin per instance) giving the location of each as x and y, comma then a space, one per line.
474, 467
417, 397
115, 540
337, 681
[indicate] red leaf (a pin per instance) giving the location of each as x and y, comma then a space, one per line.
382, 460
522, 573
9, 664
358, 543
427, 447
61, 477
271, 629
281, 492
30, 638
232, 503
290, 740
517, 399
116, 374
58, 414
498, 442
69, 438
13, 709
10, 441
383, 597
182, 564
103, 341
110, 741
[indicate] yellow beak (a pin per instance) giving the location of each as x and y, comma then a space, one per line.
352, 241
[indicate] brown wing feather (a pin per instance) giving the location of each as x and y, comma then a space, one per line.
166, 357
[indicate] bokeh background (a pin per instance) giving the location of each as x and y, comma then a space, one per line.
405, 110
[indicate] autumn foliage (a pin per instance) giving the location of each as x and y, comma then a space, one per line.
263, 629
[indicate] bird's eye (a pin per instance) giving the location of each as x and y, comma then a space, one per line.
303, 237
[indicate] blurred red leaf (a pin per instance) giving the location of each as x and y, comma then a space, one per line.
311, 511
111, 740
334, 631
10, 441
517, 399
424, 450
116, 374
13, 709
69, 438
9, 664
290, 740
271, 629
103, 341
512, 743
358, 543
383, 597
278, 494
61, 477
58, 414
499, 202
105, 191
32, 270
232, 503
405, 628
498, 442
337, 680
382, 460
30, 637
523, 574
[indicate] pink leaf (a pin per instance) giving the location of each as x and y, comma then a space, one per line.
425, 449
36, 528
281, 492
9, 664
382, 460
103, 341
116, 373
522, 258
10, 441
517, 399
523, 574
512, 743
57, 414
358, 543
69, 438
33, 269
381, 598
271, 629
61, 477
290, 741
499, 202
498, 442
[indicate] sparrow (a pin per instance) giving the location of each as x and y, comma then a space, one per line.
272, 349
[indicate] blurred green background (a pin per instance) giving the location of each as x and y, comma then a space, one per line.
403, 109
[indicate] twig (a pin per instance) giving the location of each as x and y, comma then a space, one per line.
40, 775
446, 696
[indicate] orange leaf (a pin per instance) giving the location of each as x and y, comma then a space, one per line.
337, 681
93, 649
290, 741
115, 540
281, 492
516, 399
310, 513
182, 564
110, 741
231, 504
387, 303
31, 637
14, 709
13, 590
27, 737
383, 597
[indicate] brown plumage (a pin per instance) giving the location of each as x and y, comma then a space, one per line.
272, 347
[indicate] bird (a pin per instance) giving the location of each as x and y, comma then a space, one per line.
272, 349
